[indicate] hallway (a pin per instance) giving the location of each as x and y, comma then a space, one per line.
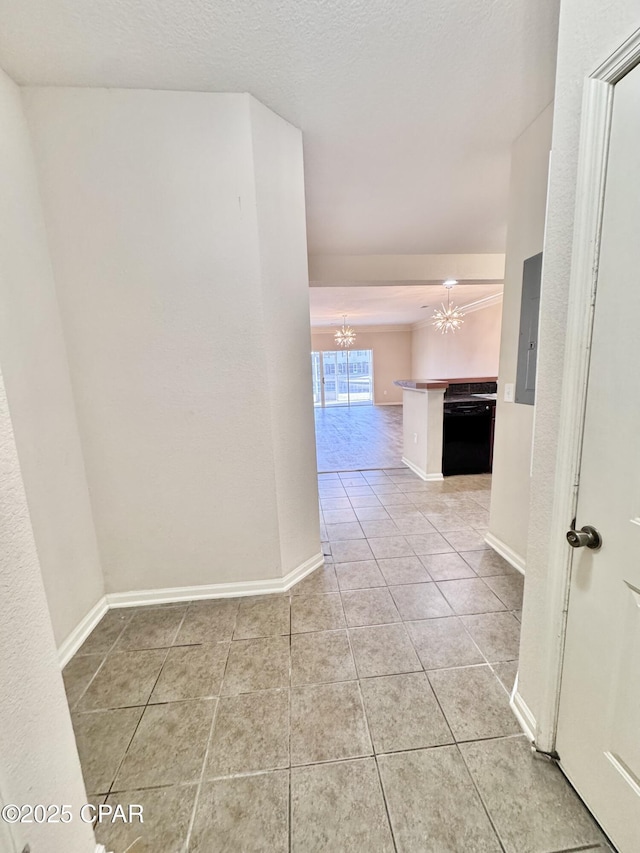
351, 438
365, 711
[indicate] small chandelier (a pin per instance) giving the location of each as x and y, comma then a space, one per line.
448, 319
345, 337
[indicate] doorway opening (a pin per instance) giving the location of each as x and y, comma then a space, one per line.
342, 378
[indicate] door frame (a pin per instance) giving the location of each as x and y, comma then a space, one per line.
597, 108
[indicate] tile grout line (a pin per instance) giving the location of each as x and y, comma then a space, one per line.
147, 704
144, 708
386, 804
102, 662
130, 741
115, 775
479, 793
435, 695
199, 784
196, 801
365, 757
377, 766
368, 725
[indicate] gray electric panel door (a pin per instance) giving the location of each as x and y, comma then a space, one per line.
528, 342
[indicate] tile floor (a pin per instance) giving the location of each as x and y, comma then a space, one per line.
365, 711
349, 437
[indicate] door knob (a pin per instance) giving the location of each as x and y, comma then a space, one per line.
588, 537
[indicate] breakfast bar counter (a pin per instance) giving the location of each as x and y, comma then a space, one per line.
423, 418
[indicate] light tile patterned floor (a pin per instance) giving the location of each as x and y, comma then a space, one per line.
349, 437
365, 711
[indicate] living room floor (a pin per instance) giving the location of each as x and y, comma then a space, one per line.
358, 437
367, 710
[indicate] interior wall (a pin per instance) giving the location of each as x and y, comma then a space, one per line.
589, 32
391, 358
150, 203
39, 757
509, 519
36, 372
394, 269
471, 352
282, 244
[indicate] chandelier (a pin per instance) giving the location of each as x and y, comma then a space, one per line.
448, 319
345, 337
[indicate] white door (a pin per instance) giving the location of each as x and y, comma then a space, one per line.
599, 716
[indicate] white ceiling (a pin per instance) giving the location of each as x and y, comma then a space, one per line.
408, 107
389, 305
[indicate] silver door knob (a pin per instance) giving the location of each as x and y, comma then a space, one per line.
587, 537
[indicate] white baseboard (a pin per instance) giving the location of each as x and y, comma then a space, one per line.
137, 598
523, 713
302, 571
80, 633
512, 557
422, 474
399, 403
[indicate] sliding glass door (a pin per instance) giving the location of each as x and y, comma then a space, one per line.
342, 377
336, 390
316, 376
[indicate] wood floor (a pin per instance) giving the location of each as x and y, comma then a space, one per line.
358, 437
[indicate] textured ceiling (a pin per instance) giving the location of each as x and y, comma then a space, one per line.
383, 305
408, 107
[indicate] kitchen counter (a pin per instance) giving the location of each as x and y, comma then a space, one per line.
426, 384
422, 414
421, 384
424, 402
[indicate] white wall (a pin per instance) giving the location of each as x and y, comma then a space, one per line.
39, 760
34, 363
589, 31
391, 358
395, 269
422, 415
509, 521
150, 203
277, 159
471, 352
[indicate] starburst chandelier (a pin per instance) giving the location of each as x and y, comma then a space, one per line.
448, 319
345, 337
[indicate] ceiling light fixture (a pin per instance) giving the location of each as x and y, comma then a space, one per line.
345, 337
448, 319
